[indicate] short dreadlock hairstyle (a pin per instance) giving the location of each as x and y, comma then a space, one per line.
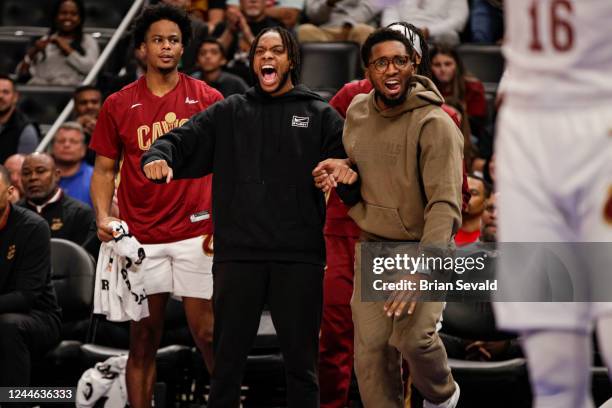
291, 45
383, 35
153, 14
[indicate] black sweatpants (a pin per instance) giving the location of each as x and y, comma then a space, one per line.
24, 337
294, 294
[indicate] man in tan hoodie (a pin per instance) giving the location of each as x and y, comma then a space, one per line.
407, 153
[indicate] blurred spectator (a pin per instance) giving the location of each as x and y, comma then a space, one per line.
29, 314
452, 80
489, 170
489, 219
13, 165
480, 313
68, 150
87, 105
287, 12
487, 21
199, 28
67, 217
239, 30
66, 54
469, 151
211, 60
17, 133
441, 21
338, 20
472, 215
211, 11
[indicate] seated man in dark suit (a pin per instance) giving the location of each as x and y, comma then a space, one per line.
68, 218
29, 314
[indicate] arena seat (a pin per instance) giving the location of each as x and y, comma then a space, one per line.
72, 276
486, 62
265, 374
13, 49
484, 381
174, 359
43, 104
472, 321
24, 13
600, 385
327, 66
105, 13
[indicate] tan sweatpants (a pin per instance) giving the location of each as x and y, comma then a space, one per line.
381, 342
311, 33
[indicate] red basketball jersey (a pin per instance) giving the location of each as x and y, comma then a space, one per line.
129, 122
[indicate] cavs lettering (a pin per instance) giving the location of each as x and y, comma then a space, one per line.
130, 121
149, 134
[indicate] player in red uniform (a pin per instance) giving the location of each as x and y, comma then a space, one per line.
171, 220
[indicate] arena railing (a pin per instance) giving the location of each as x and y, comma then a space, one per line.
123, 26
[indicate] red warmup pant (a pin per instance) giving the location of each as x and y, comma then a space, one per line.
336, 341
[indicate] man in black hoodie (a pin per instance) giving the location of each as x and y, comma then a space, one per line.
268, 215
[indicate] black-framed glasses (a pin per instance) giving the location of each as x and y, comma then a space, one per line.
382, 64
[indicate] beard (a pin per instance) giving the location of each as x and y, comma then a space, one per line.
5, 110
391, 103
488, 236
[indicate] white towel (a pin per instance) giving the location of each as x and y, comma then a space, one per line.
105, 381
119, 288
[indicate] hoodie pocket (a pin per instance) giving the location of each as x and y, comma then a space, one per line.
261, 214
382, 221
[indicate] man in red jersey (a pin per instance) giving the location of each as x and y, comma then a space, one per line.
172, 221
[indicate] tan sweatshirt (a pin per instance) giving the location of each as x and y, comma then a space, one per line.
410, 164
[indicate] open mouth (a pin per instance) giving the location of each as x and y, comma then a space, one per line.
268, 74
393, 86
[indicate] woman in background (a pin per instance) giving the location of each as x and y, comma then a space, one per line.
66, 54
452, 80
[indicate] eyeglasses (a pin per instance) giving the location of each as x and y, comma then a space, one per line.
399, 61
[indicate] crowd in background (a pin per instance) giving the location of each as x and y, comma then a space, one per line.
56, 184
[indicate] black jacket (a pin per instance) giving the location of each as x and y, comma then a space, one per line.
25, 265
70, 219
11, 133
262, 151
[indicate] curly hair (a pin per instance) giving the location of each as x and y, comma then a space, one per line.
153, 14
291, 45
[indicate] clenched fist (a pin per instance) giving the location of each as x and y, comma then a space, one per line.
158, 170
